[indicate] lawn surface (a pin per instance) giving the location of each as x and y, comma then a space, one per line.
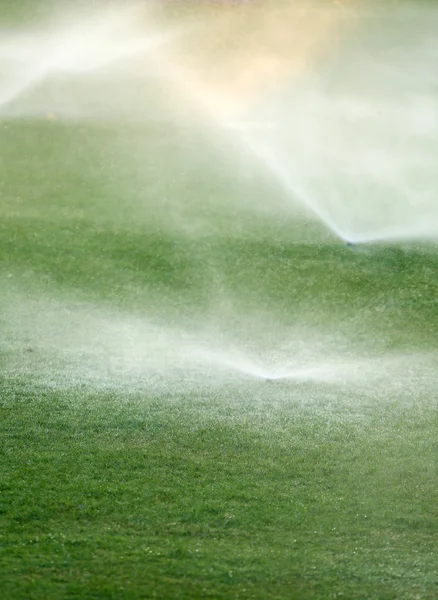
207, 488
152, 280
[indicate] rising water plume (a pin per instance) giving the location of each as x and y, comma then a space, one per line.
350, 129
340, 110
87, 344
348, 94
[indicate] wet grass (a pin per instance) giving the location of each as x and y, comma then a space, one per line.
257, 491
108, 496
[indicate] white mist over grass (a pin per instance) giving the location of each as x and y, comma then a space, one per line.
85, 345
74, 68
356, 136
349, 135
351, 104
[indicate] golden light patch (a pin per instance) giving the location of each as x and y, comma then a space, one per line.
241, 51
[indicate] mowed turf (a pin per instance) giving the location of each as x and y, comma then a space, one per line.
242, 490
109, 495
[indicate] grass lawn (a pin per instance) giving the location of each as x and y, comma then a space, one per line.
203, 393
209, 487
111, 495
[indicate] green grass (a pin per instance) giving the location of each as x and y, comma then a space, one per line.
106, 496
221, 489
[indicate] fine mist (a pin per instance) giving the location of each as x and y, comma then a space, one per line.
178, 179
337, 103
